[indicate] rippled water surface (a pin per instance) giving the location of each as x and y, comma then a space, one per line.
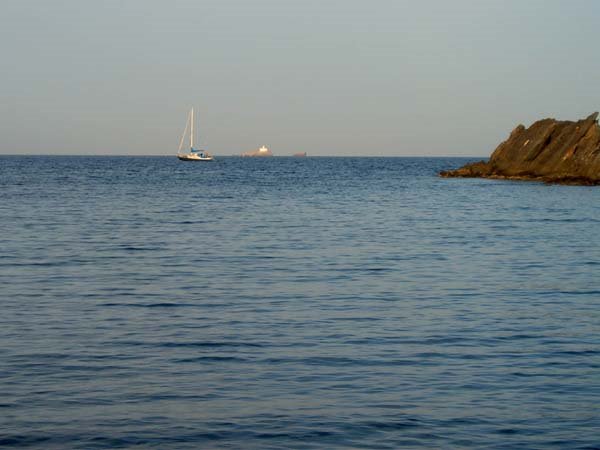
305, 303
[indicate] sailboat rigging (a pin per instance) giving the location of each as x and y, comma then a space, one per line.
193, 154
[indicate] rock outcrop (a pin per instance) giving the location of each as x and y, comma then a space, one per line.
261, 152
549, 150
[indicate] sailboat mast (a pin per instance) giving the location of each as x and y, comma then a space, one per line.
192, 131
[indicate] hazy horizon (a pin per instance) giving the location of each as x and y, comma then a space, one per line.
330, 78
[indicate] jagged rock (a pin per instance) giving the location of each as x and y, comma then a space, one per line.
549, 150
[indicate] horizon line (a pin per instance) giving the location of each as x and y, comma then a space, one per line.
245, 157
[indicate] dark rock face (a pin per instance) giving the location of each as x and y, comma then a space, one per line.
549, 150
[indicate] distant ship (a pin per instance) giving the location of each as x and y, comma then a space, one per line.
193, 154
299, 154
261, 152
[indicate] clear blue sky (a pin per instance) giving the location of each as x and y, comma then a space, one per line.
329, 77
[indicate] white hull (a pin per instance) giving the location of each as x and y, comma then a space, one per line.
194, 157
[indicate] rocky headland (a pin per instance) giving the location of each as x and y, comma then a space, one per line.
549, 150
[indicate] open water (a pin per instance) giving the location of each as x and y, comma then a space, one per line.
294, 303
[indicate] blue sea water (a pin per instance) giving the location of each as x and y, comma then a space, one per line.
294, 303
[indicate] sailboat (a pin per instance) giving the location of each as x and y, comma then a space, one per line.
193, 154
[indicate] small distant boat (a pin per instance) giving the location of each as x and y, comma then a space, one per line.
193, 154
299, 154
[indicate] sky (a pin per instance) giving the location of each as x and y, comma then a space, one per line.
326, 77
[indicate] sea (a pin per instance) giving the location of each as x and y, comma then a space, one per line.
306, 303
